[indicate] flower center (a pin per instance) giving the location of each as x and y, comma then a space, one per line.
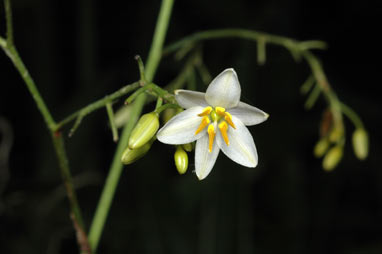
215, 118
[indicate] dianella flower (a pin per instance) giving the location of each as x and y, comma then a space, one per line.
216, 120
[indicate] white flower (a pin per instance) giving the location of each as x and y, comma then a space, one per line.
216, 120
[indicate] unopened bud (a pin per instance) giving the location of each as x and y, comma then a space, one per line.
167, 114
336, 134
360, 143
181, 160
321, 147
332, 158
131, 155
188, 147
145, 129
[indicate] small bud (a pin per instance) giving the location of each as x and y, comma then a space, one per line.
167, 114
188, 147
181, 160
337, 133
332, 158
131, 155
360, 143
145, 129
321, 147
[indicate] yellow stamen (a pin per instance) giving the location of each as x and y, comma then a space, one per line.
206, 111
203, 124
223, 127
228, 118
220, 111
211, 134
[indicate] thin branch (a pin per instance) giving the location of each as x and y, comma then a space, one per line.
8, 18
242, 34
98, 104
110, 114
76, 216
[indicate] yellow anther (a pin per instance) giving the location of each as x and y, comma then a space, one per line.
228, 118
211, 135
220, 111
203, 124
223, 127
206, 111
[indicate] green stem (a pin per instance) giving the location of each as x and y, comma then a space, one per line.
113, 128
352, 115
112, 180
11, 51
116, 166
3, 42
155, 52
8, 18
98, 104
76, 216
242, 34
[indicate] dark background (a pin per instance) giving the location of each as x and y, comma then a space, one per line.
78, 51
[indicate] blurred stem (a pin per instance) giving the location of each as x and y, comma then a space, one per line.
116, 166
352, 115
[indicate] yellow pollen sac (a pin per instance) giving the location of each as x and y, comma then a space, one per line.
206, 111
223, 127
220, 111
228, 118
203, 124
211, 135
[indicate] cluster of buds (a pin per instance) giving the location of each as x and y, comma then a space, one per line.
331, 144
143, 135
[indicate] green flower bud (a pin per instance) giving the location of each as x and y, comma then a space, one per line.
181, 160
337, 133
167, 114
145, 129
332, 158
188, 147
360, 143
321, 147
131, 155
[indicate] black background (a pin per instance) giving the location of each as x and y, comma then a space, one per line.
78, 51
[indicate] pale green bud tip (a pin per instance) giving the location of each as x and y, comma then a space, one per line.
131, 155
332, 158
145, 129
321, 147
181, 160
360, 143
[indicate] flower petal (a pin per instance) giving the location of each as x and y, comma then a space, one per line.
224, 91
248, 114
188, 99
241, 148
204, 160
181, 128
